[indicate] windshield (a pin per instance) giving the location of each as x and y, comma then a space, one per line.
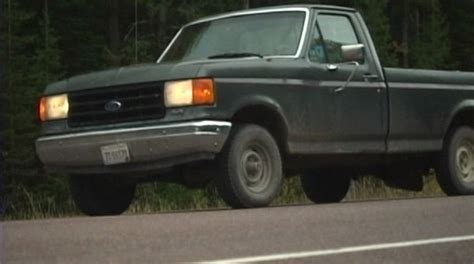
268, 34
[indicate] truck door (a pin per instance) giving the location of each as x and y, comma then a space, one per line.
358, 90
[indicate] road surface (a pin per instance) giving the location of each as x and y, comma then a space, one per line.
434, 230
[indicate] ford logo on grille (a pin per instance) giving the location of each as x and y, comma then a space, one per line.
113, 106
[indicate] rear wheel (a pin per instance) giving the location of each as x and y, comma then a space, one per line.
250, 168
98, 195
456, 174
325, 188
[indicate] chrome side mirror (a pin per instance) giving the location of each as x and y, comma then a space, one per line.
354, 52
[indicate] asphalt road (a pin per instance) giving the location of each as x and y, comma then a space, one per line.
438, 230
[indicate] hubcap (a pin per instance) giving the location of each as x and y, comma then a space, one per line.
465, 161
256, 171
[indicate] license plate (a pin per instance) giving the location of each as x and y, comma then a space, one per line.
115, 154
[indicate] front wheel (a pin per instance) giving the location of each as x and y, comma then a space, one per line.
325, 187
250, 168
456, 174
100, 195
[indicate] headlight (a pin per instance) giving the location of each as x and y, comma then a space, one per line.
189, 92
53, 107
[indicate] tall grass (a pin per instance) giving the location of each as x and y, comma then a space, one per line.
164, 197
372, 188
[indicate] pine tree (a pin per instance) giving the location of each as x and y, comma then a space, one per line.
461, 32
81, 30
432, 46
374, 13
33, 61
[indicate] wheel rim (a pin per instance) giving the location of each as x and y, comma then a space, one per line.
256, 169
465, 161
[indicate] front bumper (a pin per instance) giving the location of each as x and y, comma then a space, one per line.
151, 148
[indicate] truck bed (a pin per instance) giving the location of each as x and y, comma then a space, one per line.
422, 104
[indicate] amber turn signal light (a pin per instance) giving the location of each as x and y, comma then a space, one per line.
42, 113
203, 91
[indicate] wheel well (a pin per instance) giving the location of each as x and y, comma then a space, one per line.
269, 119
464, 117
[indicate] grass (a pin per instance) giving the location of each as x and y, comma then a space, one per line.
161, 197
371, 188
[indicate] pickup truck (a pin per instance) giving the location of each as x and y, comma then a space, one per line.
242, 99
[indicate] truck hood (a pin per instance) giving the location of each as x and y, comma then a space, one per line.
126, 75
231, 68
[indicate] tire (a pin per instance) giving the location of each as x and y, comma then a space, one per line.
327, 188
250, 168
456, 172
99, 195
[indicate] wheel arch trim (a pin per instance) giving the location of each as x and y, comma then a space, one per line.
259, 101
464, 106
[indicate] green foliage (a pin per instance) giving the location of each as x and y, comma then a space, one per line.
374, 13
461, 30
33, 61
432, 46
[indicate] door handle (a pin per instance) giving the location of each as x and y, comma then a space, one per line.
370, 77
340, 89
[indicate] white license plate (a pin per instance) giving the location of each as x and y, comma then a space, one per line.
115, 154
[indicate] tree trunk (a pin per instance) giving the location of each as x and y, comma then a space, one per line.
9, 45
46, 35
417, 23
163, 19
114, 28
406, 23
136, 31
245, 4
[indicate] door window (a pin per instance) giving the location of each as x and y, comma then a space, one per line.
336, 31
316, 51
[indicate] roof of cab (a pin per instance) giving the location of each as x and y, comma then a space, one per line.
270, 8
327, 7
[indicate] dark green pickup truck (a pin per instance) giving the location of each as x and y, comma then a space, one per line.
245, 98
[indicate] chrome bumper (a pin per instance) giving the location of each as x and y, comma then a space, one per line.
81, 152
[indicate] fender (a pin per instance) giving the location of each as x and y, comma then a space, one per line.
279, 128
464, 105
259, 100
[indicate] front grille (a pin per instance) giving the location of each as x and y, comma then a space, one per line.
138, 102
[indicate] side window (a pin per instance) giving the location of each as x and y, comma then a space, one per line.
316, 50
336, 30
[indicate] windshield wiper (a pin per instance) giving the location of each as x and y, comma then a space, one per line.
235, 55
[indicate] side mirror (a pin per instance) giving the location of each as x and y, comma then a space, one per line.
353, 52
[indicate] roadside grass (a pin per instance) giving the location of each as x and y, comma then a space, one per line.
164, 197
48, 200
372, 188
